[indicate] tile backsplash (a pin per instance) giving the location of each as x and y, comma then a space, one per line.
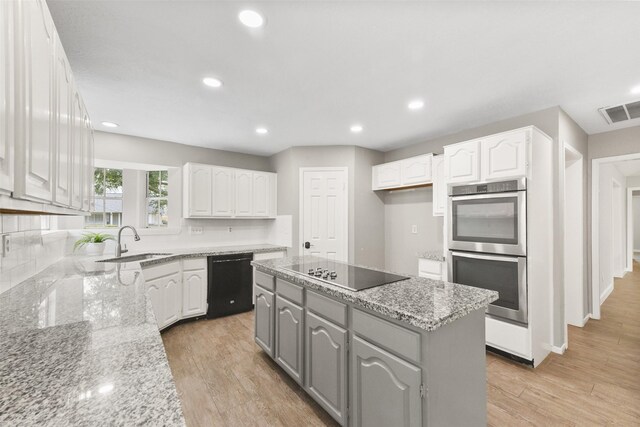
32, 249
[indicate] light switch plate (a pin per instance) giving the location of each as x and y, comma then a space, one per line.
6, 244
414, 229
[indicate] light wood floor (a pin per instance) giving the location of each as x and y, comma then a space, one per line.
224, 379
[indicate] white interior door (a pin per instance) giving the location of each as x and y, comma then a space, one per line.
324, 212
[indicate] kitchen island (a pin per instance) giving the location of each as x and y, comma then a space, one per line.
411, 352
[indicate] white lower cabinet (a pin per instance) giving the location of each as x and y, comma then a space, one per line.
194, 287
165, 295
177, 290
385, 388
431, 269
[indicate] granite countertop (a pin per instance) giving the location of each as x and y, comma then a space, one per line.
177, 254
432, 255
424, 303
79, 345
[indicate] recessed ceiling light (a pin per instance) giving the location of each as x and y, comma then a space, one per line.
109, 124
635, 90
212, 82
251, 18
416, 104
262, 131
356, 128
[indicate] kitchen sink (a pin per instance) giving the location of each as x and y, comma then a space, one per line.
133, 258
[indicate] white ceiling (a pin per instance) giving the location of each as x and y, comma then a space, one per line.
318, 67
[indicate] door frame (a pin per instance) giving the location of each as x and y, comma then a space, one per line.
595, 233
630, 228
618, 238
345, 171
570, 154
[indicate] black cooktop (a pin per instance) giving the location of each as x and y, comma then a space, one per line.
344, 275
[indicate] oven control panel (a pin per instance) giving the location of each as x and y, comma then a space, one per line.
487, 188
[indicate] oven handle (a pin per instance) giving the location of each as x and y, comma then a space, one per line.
488, 196
487, 257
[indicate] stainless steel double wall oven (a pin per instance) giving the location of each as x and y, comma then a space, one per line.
488, 243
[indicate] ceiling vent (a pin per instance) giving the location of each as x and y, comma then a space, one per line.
621, 113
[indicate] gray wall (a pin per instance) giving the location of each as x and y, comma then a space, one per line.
366, 235
116, 147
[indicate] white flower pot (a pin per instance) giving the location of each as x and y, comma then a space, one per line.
95, 249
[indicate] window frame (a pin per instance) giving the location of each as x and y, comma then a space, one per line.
104, 199
149, 199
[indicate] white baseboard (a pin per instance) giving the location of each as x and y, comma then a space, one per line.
585, 320
606, 293
559, 350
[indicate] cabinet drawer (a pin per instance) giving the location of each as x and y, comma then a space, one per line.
326, 307
153, 272
267, 281
194, 264
289, 291
388, 335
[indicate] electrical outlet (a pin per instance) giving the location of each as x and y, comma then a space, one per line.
195, 230
229, 229
6, 245
414, 229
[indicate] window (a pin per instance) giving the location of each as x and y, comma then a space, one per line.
157, 198
107, 201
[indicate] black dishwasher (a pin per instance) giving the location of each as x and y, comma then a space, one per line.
230, 282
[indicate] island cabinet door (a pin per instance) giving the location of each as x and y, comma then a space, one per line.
289, 338
385, 389
264, 319
326, 365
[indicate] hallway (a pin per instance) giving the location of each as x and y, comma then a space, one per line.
224, 379
596, 381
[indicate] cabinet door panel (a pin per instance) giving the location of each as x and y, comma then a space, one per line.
223, 192
64, 116
172, 298
439, 186
289, 338
244, 193
385, 389
504, 156
194, 299
37, 111
264, 320
7, 95
462, 162
76, 153
200, 190
326, 365
416, 170
386, 175
154, 292
261, 194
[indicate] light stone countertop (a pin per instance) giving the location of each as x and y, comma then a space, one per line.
79, 345
431, 255
424, 303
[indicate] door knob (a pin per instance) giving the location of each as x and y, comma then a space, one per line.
307, 245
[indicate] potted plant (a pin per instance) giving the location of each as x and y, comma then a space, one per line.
94, 243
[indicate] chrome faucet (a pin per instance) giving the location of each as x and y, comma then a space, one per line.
136, 237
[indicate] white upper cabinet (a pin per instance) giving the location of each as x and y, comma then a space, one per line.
504, 155
64, 128
495, 157
220, 192
416, 170
34, 176
7, 95
439, 186
387, 175
244, 193
46, 144
223, 192
462, 162
410, 172
198, 190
